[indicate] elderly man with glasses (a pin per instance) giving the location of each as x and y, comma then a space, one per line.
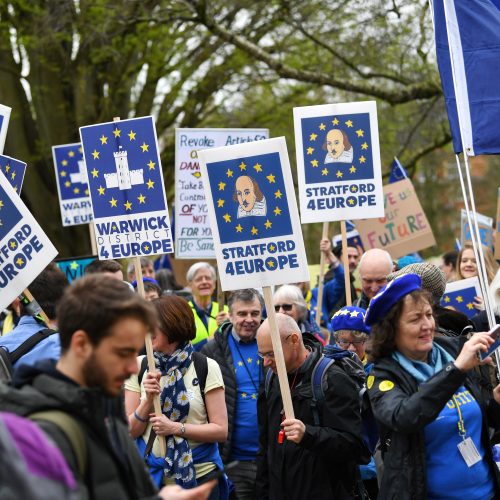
306, 457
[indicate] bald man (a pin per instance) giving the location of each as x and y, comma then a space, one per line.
315, 460
374, 267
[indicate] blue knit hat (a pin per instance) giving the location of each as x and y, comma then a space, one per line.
389, 295
349, 318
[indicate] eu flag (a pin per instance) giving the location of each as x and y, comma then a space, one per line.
461, 300
9, 217
4, 123
123, 167
398, 172
469, 31
14, 171
70, 170
249, 197
337, 148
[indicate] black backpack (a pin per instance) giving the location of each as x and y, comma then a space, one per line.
9, 359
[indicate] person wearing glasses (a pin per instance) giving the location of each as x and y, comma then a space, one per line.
351, 333
235, 349
300, 457
433, 418
201, 279
288, 299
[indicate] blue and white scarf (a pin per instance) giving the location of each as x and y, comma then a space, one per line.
174, 402
421, 371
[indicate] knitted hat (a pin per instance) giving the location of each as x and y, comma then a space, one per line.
433, 279
390, 295
349, 318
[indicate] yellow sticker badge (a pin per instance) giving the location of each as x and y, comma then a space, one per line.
369, 381
386, 385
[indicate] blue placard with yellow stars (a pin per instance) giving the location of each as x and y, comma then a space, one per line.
338, 162
460, 295
126, 188
25, 250
253, 214
4, 124
72, 185
14, 171
74, 268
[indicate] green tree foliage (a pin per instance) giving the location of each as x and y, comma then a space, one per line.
195, 63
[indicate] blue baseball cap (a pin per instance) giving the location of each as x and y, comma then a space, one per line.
349, 318
389, 295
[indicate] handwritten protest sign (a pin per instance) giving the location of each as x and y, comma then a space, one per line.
460, 295
193, 235
25, 250
253, 215
72, 184
485, 225
404, 228
4, 124
14, 171
126, 188
74, 268
338, 162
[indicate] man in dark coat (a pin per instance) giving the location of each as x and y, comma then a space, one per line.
102, 327
313, 461
234, 347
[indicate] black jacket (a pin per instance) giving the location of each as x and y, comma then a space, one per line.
218, 349
114, 467
323, 464
405, 409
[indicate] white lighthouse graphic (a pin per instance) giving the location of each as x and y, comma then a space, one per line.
124, 178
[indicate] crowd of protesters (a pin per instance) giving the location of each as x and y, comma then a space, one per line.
390, 398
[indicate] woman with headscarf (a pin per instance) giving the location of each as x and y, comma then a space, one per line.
432, 416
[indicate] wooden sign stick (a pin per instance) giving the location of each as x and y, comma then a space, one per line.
93, 243
149, 344
319, 302
41, 312
345, 262
278, 353
220, 295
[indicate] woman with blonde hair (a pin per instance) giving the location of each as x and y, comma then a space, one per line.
467, 265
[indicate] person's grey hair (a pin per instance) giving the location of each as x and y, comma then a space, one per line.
293, 294
246, 295
191, 273
145, 261
386, 253
287, 325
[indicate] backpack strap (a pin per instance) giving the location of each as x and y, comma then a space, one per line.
268, 381
72, 431
318, 395
29, 343
201, 368
5, 365
143, 369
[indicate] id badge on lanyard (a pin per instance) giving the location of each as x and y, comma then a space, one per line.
466, 447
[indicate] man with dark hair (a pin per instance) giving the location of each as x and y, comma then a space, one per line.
111, 267
235, 349
47, 289
102, 327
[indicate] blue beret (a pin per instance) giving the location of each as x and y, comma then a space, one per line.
349, 318
145, 279
389, 295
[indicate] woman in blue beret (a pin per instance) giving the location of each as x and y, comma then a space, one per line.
433, 419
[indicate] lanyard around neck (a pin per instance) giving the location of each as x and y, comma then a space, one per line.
244, 364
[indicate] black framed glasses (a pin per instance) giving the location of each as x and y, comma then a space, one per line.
347, 343
285, 307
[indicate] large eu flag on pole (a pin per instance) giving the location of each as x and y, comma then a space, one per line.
468, 52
